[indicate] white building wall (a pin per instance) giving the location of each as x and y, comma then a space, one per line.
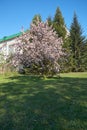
5, 47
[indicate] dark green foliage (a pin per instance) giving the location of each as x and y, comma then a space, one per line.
21, 71
60, 28
67, 60
76, 44
84, 56
47, 71
75, 47
58, 23
37, 18
50, 22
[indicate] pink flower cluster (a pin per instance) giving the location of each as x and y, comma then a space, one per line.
40, 46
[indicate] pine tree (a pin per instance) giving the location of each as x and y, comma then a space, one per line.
50, 22
37, 18
84, 56
67, 60
58, 24
77, 43
60, 27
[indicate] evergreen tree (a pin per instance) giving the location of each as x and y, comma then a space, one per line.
37, 18
84, 56
76, 45
67, 60
58, 24
50, 22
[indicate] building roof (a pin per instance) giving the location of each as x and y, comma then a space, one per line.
6, 38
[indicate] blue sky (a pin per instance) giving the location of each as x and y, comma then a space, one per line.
17, 13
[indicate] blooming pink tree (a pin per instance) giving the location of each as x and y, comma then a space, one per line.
39, 49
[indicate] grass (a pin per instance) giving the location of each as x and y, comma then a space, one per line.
33, 103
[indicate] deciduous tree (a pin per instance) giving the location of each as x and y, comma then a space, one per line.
39, 49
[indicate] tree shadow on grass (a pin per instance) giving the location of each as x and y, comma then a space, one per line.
32, 103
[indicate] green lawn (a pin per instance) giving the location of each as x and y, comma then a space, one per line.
33, 103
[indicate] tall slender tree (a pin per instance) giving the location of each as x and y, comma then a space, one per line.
37, 18
50, 22
84, 56
58, 24
60, 27
77, 43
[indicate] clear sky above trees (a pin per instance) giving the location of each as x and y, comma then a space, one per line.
14, 14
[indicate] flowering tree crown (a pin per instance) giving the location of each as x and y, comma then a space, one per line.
39, 49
